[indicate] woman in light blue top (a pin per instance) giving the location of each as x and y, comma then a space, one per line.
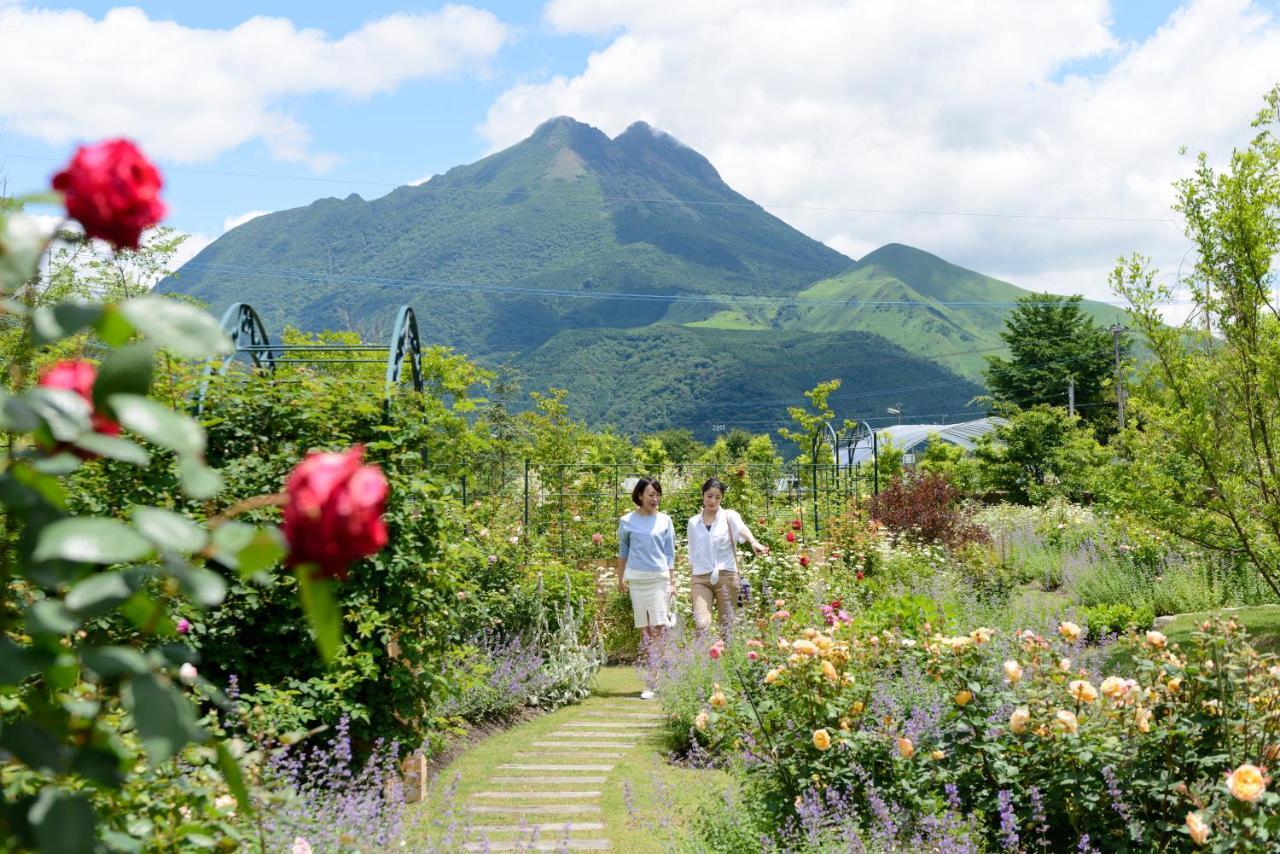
646, 570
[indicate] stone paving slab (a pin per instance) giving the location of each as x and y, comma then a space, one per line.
579, 779
531, 809
540, 845
543, 827
552, 754
625, 745
629, 715
594, 733
543, 795
520, 766
610, 725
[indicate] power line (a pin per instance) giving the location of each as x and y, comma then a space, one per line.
717, 299
438, 188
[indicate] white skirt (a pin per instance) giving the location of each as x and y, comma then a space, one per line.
650, 604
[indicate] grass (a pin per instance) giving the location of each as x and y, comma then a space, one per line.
1261, 621
644, 799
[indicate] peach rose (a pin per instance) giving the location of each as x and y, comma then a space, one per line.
1082, 691
821, 739
905, 748
1157, 640
1198, 830
1066, 722
963, 698
1247, 783
1070, 631
702, 721
1019, 719
1012, 672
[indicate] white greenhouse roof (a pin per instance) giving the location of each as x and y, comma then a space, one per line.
909, 437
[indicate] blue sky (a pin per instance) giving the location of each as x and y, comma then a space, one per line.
1014, 108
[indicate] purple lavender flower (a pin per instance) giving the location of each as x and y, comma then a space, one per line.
1008, 820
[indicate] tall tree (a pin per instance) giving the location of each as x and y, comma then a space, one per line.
1205, 448
1053, 344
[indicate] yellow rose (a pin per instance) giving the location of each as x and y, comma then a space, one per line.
963, 698
805, 647
772, 676
1174, 684
1019, 719
821, 739
811, 633
1013, 672
702, 720
718, 701
829, 671
937, 756
1157, 640
856, 708
1083, 691
981, 635
1247, 783
1070, 631
1142, 720
905, 748
1196, 827
1066, 722
1064, 664
1113, 687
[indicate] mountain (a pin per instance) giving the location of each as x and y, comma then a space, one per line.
629, 272
567, 210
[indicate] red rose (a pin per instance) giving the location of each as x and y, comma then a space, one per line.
742, 472
78, 376
333, 515
804, 560
791, 536
796, 524
113, 191
858, 575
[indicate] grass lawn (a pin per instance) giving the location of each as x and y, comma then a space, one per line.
1261, 621
644, 799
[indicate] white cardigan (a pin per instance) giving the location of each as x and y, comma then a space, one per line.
716, 549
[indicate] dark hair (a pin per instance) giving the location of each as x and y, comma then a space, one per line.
714, 483
641, 485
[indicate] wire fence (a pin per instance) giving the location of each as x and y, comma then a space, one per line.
555, 500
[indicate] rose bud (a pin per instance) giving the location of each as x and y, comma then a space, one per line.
113, 191
333, 515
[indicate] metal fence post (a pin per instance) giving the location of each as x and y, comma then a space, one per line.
464, 489
526, 498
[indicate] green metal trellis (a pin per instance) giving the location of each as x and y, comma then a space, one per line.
252, 344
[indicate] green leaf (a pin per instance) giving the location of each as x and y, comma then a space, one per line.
63, 822
22, 239
17, 662
51, 617
321, 608
126, 370
101, 592
113, 327
169, 530
230, 769
147, 614
91, 539
53, 323
100, 764
64, 413
206, 587
34, 746
198, 480
177, 326
108, 661
165, 718
158, 423
247, 549
111, 447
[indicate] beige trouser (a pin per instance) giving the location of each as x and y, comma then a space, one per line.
724, 594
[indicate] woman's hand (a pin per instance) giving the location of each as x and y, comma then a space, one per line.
759, 547
671, 588
622, 585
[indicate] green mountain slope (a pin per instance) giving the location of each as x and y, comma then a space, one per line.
645, 379
928, 306
567, 210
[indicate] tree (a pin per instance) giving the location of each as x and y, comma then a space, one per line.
1051, 342
1205, 449
1040, 453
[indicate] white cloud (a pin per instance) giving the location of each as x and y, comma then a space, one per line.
240, 219
930, 105
189, 94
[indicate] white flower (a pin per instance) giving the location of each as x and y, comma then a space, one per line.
514, 540
187, 673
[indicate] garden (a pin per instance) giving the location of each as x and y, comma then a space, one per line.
264, 626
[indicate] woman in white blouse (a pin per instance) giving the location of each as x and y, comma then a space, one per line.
714, 535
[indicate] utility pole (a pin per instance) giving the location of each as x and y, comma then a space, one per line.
1071, 396
1116, 329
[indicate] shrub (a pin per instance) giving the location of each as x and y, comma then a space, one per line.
1116, 619
926, 507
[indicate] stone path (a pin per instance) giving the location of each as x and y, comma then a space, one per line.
547, 795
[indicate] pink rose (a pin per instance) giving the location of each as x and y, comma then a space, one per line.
333, 515
79, 376
113, 191
791, 536
184, 626
597, 538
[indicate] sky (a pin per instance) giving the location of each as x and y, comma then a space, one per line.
1036, 142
